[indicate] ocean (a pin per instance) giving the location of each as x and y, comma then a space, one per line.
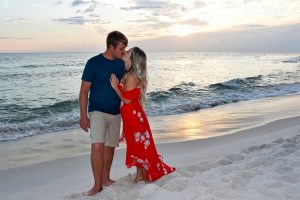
39, 91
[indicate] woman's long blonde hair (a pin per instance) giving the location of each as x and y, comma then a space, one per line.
139, 69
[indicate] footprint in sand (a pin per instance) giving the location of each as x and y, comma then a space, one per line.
176, 184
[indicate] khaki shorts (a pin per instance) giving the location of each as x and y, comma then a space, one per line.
105, 128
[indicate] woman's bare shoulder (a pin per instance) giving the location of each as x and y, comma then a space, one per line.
131, 82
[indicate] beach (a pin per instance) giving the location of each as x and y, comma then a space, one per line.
217, 81
260, 161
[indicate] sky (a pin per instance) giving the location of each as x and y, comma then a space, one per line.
154, 25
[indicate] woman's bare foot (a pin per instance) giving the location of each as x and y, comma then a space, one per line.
108, 182
144, 175
138, 179
92, 191
139, 176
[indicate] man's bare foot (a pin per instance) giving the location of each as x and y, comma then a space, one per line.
108, 182
92, 191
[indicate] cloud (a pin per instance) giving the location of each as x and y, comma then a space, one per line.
93, 5
148, 26
158, 25
94, 15
232, 4
173, 11
102, 30
57, 3
247, 1
150, 2
140, 34
194, 22
72, 20
90, 9
79, 20
18, 20
158, 8
152, 24
15, 38
39, 5
78, 2
246, 26
140, 7
148, 5
199, 4
250, 39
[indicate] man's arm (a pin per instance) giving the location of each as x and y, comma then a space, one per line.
83, 99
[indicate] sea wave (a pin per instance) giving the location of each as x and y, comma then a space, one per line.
237, 83
10, 132
19, 120
50, 65
187, 97
31, 66
292, 60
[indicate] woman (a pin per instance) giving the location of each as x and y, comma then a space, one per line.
141, 150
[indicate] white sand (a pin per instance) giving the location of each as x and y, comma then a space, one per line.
258, 163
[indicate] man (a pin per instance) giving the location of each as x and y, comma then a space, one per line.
104, 107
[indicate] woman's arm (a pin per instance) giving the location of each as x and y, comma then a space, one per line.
130, 84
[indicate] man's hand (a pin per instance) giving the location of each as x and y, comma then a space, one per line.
85, 123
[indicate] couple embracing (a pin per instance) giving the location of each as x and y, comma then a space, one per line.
110, 100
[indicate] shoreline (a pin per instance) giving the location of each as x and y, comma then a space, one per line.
207, 123
203, 111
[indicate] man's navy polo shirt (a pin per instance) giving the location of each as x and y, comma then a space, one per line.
102, 96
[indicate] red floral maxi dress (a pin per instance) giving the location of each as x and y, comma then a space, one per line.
141, 150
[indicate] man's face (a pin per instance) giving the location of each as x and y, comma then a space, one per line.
119, 51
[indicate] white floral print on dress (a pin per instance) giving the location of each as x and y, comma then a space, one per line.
165, 171
139, 114
146, 144
158, 166
137, 137
142, 138
147, 134
144, 163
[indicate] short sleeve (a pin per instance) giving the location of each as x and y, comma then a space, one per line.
88, 72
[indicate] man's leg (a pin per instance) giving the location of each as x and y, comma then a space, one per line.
112, 141
108, 159
97, 162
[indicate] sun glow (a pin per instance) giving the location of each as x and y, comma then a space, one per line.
184, 30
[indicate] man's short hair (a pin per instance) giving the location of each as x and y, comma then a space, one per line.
114, 38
